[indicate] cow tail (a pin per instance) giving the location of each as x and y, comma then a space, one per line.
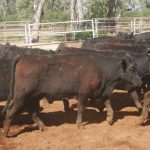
12, 77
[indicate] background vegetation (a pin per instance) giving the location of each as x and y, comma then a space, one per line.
60, 10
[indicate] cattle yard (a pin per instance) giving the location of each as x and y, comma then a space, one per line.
61, 130
52, 33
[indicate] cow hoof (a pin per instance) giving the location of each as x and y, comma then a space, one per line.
43, 129
110, 121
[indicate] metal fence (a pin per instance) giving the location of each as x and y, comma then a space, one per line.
23, 32
12, 31
68, 30
111, 26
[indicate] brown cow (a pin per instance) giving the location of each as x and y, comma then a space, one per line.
59, 76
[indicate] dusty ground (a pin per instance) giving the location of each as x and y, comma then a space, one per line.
62, 133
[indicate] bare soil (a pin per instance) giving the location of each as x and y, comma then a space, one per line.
62, 133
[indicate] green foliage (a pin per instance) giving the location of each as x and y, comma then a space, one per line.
59, 10
142, 13
24, 9
10, 18
97, 9
58, 15
78, 35
83, 35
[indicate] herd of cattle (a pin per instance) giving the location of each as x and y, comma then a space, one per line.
89, 73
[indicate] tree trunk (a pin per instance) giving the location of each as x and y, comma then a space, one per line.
111, 5
11, 6
80, 9
3, 4
37, 18
72, 9
111, 13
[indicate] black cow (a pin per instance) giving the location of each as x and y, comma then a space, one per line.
115, 44
142, 39
124, 35
90, 43
10, 51
59, 76
142, 60
67, 50
99, 46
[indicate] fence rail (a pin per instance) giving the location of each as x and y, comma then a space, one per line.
56, 31
112, 26
60, 29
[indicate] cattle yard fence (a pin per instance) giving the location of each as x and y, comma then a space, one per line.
67, 30
24, 32
111, 26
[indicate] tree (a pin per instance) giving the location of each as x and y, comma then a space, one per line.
3, 9
7, 7
72, 9
111, 8
97, 9
76, 8
37, 17
80, 9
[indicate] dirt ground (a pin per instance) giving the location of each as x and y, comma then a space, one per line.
62, 133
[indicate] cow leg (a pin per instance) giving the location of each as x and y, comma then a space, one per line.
33, 107
145, 109
38, 121
110, 112
4, 110
14, 107
100, 105
135, 98
80, 108
66, 105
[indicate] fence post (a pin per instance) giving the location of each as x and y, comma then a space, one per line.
72, 28
5, 38
93, 28
141, 25
134, 26
29, 34
96, 26
26, 34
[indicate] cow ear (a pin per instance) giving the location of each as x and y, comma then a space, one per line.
124, 65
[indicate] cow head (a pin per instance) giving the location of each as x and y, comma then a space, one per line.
129, 71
